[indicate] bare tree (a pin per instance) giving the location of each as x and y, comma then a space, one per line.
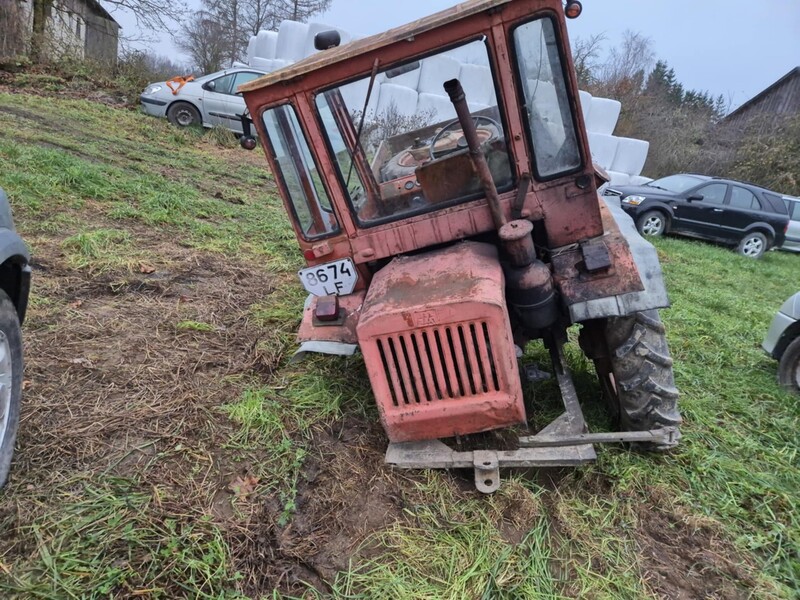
301, 10
586, 56
203, 39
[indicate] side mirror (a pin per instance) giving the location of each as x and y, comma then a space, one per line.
210, 86
695, 198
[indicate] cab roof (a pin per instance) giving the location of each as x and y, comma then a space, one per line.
374, 42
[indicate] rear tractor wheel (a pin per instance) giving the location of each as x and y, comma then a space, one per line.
635, 371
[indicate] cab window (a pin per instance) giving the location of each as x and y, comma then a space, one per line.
398, 144
551, 127
298, 173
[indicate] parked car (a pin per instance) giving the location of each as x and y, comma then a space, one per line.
15, 285
792, 242
208, 100
722, 210
783, 342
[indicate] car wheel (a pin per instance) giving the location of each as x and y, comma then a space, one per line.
183, 114
789, 367
652, 223
10, 382
753, 245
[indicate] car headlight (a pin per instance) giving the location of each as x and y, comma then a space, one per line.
634, 200
151, 89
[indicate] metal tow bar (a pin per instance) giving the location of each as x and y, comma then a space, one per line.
542, 450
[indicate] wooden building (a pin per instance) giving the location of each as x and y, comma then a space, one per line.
782, 98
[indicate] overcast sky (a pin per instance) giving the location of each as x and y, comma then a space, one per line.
731, 47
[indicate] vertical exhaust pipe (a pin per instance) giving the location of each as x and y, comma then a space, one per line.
529, 284
459, 100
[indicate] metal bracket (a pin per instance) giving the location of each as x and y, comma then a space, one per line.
487, 471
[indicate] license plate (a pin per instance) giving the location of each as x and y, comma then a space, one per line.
337, 278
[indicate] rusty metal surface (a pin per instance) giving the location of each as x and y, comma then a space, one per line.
569, 212
350, 311
575, 281
438, 347
434, 454
373, 43
479, 164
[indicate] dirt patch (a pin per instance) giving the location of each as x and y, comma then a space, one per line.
344, 493
685, 558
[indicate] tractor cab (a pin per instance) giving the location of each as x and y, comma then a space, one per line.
440, 184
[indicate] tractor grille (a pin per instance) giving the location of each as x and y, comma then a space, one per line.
439, 363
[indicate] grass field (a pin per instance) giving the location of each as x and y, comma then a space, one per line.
168, 449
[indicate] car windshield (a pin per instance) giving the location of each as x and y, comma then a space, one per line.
411, 155
676, 183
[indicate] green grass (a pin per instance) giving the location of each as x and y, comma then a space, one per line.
101, 180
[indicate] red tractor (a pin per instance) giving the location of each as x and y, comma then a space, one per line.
440, 183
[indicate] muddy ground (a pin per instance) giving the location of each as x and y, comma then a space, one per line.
113, 388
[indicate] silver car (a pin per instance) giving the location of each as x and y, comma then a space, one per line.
793, 232
210, 100
783, 342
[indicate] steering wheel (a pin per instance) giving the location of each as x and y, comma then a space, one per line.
462, 142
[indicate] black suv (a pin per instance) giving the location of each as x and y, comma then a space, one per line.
722, 210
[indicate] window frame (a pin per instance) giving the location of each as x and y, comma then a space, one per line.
481, 37
699, 190
521, 101
759, 208
279, 178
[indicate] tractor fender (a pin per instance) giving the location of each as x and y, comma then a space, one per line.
645, 257
337, 337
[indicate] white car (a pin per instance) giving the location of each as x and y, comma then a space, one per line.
210, 100
793, 232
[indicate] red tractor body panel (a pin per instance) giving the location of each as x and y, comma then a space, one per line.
438, 346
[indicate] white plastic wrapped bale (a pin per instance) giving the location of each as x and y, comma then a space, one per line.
409, 80
639, 180
586, 106
604, 148
397, 99
355, 94
251, 48
478, 84
618, 178
268, 64
434, 72
543, 96
266, 43
604, 115
631, 156
435, 109
477, 106
291, 41
314, 29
